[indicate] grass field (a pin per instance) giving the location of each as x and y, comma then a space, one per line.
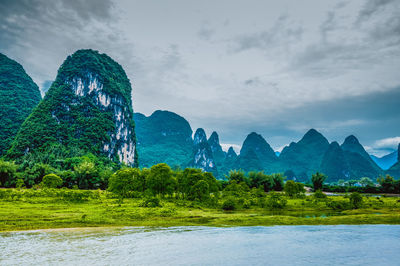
27, 209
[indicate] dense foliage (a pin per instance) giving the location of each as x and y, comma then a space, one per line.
18, 96
65, 125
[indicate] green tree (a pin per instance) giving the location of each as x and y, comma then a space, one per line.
355, 200
318, 180
366, 181
8, 173
387, 183
259, 179
160, 181
52, 181
34, 175
294, 189
278, 182
276, 201
126, 180
237, 175
200, 191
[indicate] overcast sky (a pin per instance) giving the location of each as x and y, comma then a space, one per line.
274, 67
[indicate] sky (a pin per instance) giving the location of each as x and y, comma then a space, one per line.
277, 68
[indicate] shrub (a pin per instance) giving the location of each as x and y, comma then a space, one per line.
150, 202
294, 189
319, 195
229, 204
355, 200
51, 181
276, 201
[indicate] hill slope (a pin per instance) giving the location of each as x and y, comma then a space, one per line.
18, 96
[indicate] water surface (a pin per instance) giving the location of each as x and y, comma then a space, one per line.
276, 245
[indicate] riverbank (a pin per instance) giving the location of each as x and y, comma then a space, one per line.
29, 210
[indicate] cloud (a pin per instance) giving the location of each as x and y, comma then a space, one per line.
387, 143
226, 146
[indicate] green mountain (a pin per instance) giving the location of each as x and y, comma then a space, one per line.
359, 161
87, 109
230, 161
217, 152
163, 137
18, 96
386, 161
334, 164
263, 151
202, 154
395, 169
304, 157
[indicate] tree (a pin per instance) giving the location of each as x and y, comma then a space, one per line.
8, 173
200, 191
276, 201
160, 180
278, 182
52, 181
126, 180
259, 179
237, 175
293, 189
86, 175
366, 181
387, 183
318, 180
355, 200
34, 175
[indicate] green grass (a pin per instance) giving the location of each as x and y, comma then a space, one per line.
30, 209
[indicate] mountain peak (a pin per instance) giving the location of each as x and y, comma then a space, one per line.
255, 142
199, 136
313, 135
214, 138
351, 140
231, 153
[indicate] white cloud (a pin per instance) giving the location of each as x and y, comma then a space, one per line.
226, 146
387, 143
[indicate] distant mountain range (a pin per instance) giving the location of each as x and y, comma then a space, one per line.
167, 137
387, 161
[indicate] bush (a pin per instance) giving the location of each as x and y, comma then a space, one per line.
319, 195
355, 200
51, 181
337, 204
150, 202
276, 201
229, 204
294, 189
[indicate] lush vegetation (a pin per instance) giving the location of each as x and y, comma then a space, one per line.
164, 197
18, 96
65, 125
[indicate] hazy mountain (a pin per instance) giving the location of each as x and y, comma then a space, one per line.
202, 153
387, 161
163, 137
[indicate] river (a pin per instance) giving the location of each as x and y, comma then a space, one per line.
275, 245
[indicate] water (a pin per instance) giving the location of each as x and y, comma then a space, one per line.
277, 245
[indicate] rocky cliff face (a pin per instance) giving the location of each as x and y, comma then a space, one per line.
202, 153
88, 108
218, 153
18, 96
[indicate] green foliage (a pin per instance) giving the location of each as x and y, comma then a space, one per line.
18, 96
278, 182
319, 195
294, 189
237, 175
8, 173
65, 125
276, 201
356, 200
388, 184
125, 181
229, 204
318, 180
200, 191
51, 181
150, 202
160, 180
34, 175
